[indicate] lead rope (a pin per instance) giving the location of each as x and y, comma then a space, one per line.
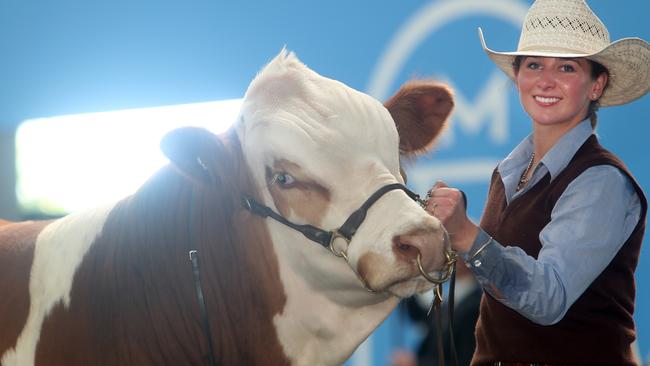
450, 314
194, 258
436, 306
450, 306
437, 310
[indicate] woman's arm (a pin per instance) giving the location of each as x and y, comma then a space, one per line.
589, 223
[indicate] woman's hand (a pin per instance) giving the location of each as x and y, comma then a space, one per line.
403, 357
448, 205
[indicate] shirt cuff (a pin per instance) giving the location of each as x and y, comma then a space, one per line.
482, 249
480, 243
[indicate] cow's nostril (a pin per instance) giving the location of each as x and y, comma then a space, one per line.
425, 244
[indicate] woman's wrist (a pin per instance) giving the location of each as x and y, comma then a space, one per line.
462, 240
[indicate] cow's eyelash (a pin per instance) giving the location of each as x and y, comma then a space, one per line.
283, 179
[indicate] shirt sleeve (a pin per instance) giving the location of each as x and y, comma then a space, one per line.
592, 219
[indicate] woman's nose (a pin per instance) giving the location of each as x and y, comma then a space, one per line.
546, 80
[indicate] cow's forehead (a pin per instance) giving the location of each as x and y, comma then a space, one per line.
292, 102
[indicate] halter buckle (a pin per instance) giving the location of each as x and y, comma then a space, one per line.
342, 253
247, 203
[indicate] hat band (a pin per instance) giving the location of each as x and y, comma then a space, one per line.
554, 50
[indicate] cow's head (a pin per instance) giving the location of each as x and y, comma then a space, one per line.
318, 149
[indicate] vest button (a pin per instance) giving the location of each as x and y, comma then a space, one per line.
477, 263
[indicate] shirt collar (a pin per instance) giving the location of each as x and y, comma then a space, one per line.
555, 159
566, 147
510, 168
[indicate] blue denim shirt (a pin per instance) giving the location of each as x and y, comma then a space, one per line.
589, 223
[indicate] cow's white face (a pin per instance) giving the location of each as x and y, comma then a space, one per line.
317, 150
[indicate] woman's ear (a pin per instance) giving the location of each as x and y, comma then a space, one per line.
194, 151
420, 110
598, 86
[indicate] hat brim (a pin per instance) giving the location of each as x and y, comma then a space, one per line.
627, 61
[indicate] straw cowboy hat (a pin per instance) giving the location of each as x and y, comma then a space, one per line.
569, 28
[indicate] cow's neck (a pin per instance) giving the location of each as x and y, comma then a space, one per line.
328, 312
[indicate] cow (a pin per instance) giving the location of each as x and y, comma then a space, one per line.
115, 285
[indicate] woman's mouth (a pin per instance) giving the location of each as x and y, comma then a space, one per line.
546, 100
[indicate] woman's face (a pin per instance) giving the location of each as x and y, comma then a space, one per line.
557, 91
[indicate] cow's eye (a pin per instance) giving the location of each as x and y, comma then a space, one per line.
283, 179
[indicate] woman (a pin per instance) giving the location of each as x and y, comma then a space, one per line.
560, 235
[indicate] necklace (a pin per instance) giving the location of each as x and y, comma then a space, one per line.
524, 176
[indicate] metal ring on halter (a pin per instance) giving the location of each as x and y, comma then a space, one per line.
342, 253
422, 202
451, 259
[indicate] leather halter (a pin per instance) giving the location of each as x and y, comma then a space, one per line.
324, 237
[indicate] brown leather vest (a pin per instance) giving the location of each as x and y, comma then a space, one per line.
599, 327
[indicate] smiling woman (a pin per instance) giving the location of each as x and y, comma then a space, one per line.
558, 195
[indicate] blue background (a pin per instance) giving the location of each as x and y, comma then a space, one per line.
73, 56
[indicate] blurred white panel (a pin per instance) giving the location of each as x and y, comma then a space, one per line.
70, 163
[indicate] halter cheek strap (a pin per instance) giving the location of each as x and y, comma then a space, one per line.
324, 237
313, 233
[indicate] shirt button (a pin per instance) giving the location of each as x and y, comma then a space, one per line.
477, 263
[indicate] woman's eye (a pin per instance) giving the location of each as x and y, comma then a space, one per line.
567, 68
533, 66
283, 179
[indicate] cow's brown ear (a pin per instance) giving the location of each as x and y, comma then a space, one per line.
420, 109
194, 152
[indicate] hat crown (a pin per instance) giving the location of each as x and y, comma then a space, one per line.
567, 26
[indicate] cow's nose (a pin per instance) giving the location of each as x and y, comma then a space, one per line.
427, 243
